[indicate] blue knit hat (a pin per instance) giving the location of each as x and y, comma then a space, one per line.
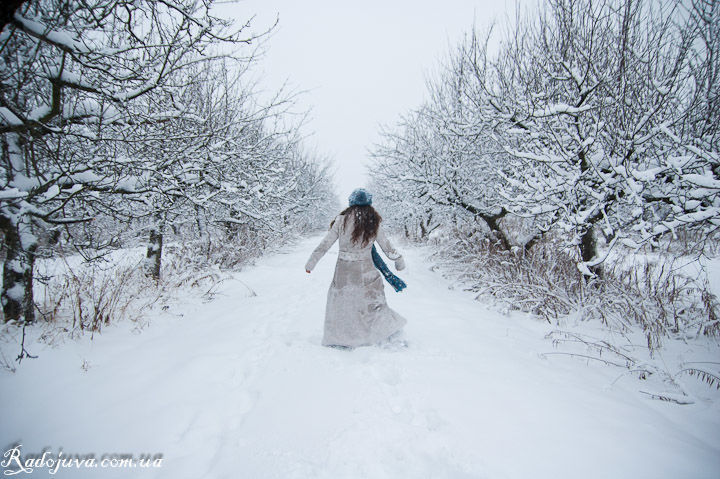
360, 197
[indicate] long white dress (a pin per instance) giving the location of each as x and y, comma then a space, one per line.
356, 313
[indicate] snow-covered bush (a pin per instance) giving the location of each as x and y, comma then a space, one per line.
544, 281
88, 297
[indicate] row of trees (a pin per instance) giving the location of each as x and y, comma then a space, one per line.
595, 120
117, 115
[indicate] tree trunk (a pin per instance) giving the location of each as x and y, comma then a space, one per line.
201, 230
588, 250
17, 292
492, 221
154, 253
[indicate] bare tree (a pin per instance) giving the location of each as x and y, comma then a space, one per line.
593, 119
71, 78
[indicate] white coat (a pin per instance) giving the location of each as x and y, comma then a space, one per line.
356, 313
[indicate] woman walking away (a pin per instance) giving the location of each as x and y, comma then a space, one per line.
356, 313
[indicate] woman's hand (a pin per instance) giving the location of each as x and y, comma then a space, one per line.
400, 264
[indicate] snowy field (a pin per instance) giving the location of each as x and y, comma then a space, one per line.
239, 387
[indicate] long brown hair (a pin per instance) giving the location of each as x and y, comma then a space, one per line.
367, 222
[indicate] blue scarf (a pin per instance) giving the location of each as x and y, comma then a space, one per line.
394, 281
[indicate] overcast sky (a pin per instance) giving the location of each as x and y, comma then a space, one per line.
361, 64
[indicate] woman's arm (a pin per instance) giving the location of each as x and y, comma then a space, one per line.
329, 239
389, 249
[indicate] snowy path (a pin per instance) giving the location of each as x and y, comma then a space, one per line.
240, 388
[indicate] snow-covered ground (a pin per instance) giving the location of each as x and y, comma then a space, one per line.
239, 387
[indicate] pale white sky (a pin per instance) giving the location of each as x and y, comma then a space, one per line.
361, 64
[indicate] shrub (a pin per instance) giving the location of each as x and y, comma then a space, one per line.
545, 281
